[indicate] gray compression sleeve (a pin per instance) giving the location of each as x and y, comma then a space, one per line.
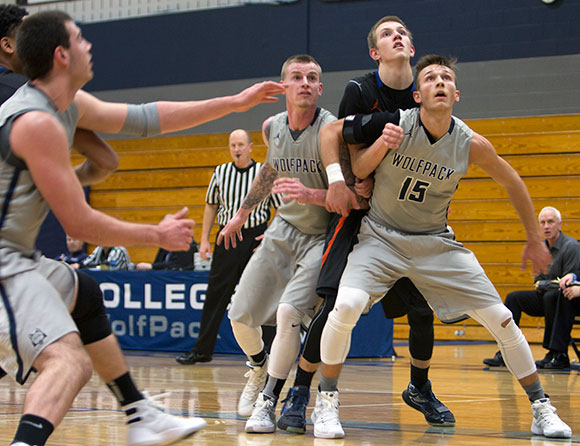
142, 120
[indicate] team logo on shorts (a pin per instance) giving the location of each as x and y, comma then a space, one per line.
38, 337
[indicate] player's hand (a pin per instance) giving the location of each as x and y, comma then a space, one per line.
176, 231
340, 198
259, 239
538, 254
364, 188
205, 250
258, 94
292, 189
392, 135
231, 232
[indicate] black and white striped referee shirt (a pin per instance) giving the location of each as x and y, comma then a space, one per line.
229, 186
116, 259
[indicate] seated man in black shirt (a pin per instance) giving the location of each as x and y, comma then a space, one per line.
542, 301
171, 260
567, 307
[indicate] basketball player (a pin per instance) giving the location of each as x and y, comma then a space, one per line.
278, 284
405, 234
388, 88
36, 127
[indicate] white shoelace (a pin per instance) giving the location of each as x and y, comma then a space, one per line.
252, 384
154, 400
264, 410
329, 412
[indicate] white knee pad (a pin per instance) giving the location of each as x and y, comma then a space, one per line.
249, 338
335, 341
286, 344
510, 339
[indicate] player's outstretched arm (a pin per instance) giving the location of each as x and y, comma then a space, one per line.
166, 116
483, 154
176, 116
40, 141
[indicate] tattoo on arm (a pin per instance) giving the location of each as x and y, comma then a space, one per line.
261, 187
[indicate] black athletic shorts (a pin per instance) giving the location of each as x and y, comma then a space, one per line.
341, 236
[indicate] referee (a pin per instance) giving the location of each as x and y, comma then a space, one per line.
227, 189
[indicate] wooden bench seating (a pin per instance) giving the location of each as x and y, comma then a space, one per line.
189, 168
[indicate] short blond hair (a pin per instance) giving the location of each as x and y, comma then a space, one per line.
299, 58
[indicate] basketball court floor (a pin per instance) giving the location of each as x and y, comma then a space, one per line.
489, 405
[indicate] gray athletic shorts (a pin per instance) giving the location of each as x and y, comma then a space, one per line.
34, 313
448, 275
285, 269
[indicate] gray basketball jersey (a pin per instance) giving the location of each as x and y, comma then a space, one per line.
415, 183
22, 207
300, 159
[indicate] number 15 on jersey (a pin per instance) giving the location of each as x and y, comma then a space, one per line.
413, 190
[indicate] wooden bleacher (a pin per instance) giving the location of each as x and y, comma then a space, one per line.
157, 176
160, 175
